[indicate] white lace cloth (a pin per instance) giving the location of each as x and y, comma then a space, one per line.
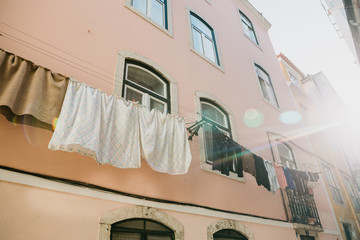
274, 184
98, 125
110, 130
164, 142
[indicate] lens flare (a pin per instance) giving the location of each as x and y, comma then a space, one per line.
290, 117
253, 118
54, 123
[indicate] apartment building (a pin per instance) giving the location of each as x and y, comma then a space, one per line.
332, 137
208, 62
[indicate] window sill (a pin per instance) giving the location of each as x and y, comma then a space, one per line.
272, 105
257, 45
219, 67
208, 168
168, 32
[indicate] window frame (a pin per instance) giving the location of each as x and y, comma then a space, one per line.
217, 62
167, 27
226, 129
269, 84
355, 201
143, 232
138, 88
251, 27
333, 185
292, 155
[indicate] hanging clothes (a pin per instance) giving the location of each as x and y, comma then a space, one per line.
103, 127
226, 154
313, 177
301, 181
274, 184
248, 162
30, 92
289, 179
164, 141
280, 176
261, 173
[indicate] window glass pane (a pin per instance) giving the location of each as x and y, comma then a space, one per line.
213, 114
154, 237
197, 40
157, 105
157, 12
271, 94
262, 75
201, 26
209, 49
245, 20
125, 236
264, 90
146, 80
140, 5
207, 130
133, 96
134, 224
156, 227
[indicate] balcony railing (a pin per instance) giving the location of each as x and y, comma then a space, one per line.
303, 208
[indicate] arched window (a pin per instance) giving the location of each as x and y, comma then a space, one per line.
140, 229
228, 234
144, 85
217, 117
286, 155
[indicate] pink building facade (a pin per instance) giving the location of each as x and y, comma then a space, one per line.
201, 58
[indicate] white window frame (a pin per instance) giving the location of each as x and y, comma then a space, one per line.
167, 16
333, 185
294, 80
123, 56
288, 161
218, 62
247, 28
204, 165
269, 88
145, 96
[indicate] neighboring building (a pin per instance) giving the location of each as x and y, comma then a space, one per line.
345, 16
191, 59
332, 139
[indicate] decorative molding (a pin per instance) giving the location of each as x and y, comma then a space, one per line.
228, 224
125, 213
264, 22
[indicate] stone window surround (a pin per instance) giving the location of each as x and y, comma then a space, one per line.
205, 166
125, 213
119, 77
228, 224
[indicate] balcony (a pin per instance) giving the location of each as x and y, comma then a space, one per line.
303, 209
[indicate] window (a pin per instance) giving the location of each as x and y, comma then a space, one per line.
286, 155
294, 80
144, 85
154, 9
203, 38
266, 86
140, 229
353, 196
348, 231
248, 28
334, 189
217, 117
228, 234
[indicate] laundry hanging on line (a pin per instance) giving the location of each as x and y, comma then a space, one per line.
114, 131
29, 93
271, 176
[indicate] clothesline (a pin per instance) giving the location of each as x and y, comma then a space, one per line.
226, 151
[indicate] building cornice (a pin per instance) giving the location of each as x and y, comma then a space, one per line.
264, 22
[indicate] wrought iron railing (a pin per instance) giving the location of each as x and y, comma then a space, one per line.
303, 208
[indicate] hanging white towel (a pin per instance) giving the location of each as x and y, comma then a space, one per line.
274, 184
164, 142
98, 125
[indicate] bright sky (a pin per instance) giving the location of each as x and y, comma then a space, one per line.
303, 32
